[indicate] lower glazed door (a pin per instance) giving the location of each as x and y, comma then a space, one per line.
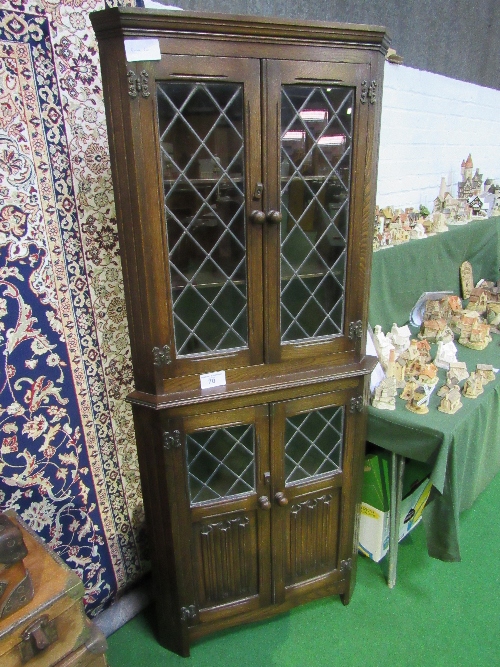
227, 457
313, 512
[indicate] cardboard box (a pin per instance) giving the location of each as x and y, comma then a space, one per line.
375, 506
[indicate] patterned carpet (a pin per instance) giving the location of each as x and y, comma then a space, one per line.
67, 461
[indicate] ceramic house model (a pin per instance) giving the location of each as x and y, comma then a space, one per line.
451, 403
457, 372
419, 402
478, 300
385, 395
400, 337
470, 184
473, 386
477, 337
409, 390
446, 354
436, 330
486, 372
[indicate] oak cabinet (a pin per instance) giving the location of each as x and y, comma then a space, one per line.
244, 157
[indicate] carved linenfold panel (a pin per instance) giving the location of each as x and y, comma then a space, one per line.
228, 568
313, 537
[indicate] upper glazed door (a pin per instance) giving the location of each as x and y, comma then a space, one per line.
209, 135
315, 246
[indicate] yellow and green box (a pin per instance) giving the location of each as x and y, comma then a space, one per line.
376, 498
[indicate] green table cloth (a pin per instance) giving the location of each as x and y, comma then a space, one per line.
463, 450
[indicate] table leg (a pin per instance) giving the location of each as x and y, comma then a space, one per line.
397, 473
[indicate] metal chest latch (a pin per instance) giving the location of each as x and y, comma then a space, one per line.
38, 636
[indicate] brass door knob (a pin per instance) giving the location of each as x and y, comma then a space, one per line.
264, 503
258, 217
274, 216
281, 499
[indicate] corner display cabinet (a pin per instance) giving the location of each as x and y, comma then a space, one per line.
243, 153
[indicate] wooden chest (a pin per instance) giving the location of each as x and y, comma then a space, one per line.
53, 624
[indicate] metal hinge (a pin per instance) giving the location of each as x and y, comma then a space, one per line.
369, 91
138, 84
355, 330
356, 404
171, 439
346, 565
162, 356
188, 613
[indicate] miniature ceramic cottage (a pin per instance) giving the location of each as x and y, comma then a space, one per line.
396, 368
436, 330
473, 386
400, 337
478, 338
446, 354
457, 372
428, 375
478, 300
451, 403
419, 402
385, 395
486, 372
383, 346
409, 390
493, 315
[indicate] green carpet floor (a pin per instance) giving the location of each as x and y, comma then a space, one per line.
438, 614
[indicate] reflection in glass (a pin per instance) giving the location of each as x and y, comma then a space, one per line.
316, 147
201, 142
221, 462
313, 443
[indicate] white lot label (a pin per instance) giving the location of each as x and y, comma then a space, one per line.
217, 379
142, 49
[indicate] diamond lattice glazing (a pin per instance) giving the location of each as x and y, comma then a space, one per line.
220, 463
201, 141
313, 443
316, 144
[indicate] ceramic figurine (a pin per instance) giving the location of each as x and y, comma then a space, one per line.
385, 395
439, 223
383, 346
419, 402
486, 372
477, 337
446, 354
451, 403
493, 316
428, 375
396, 368
466, 279
478, 207
457, 372
409, 389
470, 184
463, 320
478, 300
436, 330
400, 337
445, 388
418, 231
473, 386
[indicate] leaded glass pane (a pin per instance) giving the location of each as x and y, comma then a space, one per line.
316, 149
313, 443
201, 142
221, 462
